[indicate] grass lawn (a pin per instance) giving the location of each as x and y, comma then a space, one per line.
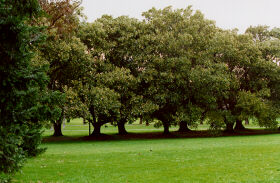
219, 159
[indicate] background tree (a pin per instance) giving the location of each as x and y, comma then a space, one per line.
177, 59
64, 53
67, 61
270, 49
115, 43
244, 62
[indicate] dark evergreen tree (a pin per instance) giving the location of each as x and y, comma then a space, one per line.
22, 96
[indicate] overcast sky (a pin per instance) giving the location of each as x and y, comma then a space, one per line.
228, 14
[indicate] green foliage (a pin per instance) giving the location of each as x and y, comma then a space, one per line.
23, 103
249, 75
115, 49
180, 75
175, 66
68, 61
104, 101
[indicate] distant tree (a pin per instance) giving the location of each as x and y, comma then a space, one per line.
249, 88
61, 17
270, 50
64, 53
178, 66
114, 42
260, 33
68, 61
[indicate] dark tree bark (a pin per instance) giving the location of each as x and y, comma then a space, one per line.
57, 125
229, 128
166, 128
96, 129
141, 120
183, 127
239, 125
121, 127
57, 129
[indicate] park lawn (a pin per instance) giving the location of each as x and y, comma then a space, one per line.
220, 159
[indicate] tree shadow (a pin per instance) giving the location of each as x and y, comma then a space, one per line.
158, 135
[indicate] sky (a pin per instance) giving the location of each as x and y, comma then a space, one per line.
228, 14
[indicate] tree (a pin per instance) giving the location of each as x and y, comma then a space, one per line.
260, 33
98, 105
67, 61
114, 42
61, 17
270, 49
64, 53
177, 65
248, 77
24, 99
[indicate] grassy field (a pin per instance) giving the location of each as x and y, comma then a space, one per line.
221, 159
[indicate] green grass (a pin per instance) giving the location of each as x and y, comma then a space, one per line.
219, 159
223, 159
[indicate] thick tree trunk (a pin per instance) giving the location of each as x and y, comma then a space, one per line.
166, 128
57, 125
239, 125
141, 121
183, 127
57, 129
97, 129
121, 128
229, 127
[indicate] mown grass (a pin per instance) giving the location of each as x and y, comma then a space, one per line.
223, 159
219, 159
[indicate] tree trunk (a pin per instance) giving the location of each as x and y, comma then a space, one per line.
57, 125
57, 129
229, 127
247, 121
97, 129
121, 127
166, 128
239, 125
141, 121
183, 127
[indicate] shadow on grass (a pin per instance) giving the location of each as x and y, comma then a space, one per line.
158, 135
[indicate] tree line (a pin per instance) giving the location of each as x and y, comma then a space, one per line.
175, 66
